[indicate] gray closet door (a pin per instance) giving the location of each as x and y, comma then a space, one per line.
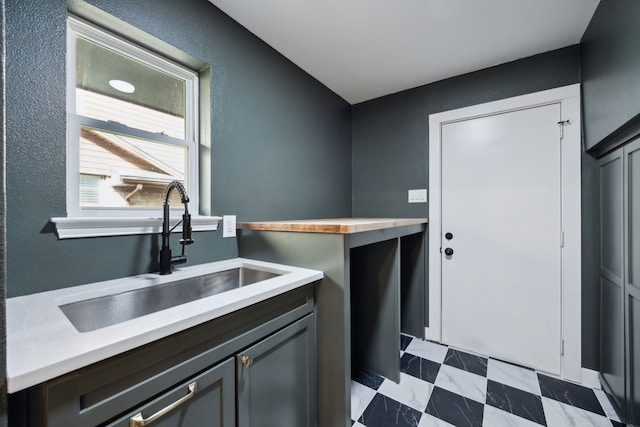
612, 353
632, 277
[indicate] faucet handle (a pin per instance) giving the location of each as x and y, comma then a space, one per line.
186, 230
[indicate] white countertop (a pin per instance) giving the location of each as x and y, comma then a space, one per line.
43, 344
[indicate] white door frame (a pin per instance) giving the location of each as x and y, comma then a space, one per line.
569, 99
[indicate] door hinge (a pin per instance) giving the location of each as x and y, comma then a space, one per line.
562, 239
562, 124
562, 348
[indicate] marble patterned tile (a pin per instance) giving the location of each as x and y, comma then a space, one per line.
361, 396
367, 378
607, 407
560, 414
466, 361
427, 350
424, 369
495, 417
513, 375
385, 412
515, 401
411, 391
572, 394
455, 409
451, 395
429, 420
461, 382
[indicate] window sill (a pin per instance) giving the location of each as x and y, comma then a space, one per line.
80, 227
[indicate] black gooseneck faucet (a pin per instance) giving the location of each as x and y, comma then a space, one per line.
166, 260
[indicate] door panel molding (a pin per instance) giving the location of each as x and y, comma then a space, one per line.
612, 301
631, 278
569, 98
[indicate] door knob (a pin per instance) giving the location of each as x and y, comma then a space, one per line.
448, 252
246, 361
448, 236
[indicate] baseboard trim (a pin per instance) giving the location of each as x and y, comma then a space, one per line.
590, 379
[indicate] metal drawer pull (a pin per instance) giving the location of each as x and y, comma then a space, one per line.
137, 419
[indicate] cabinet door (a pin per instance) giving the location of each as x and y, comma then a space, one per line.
612, 358
206, 400
276, 379
632, 277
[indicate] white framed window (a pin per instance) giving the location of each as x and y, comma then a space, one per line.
132, 128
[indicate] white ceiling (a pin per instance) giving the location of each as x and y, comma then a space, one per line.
363, 49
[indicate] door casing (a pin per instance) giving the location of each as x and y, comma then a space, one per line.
569, 98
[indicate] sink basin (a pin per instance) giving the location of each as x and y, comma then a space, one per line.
96, 313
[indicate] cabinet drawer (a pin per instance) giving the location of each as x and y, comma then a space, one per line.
209, 401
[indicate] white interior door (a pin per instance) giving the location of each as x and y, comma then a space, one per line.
501, 202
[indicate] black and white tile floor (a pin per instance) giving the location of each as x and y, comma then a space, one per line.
443, 387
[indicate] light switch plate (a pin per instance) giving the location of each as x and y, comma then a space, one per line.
228, 226
418, 196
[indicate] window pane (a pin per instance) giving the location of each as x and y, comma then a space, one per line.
90, 190
154, 101
121, 171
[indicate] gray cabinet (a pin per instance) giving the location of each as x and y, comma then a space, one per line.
199, 376
620, 279
389, 260
276, 380
611, 280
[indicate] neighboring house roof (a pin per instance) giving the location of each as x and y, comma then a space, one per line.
133, 160
143, 177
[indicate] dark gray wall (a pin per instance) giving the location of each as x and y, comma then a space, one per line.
280, 140
391, 141
3, 208
391, 134
611, 69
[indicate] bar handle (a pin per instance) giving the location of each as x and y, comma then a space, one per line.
138, 421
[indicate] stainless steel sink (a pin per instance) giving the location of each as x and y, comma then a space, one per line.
91, 314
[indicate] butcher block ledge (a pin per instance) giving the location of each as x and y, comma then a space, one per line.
331, 225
